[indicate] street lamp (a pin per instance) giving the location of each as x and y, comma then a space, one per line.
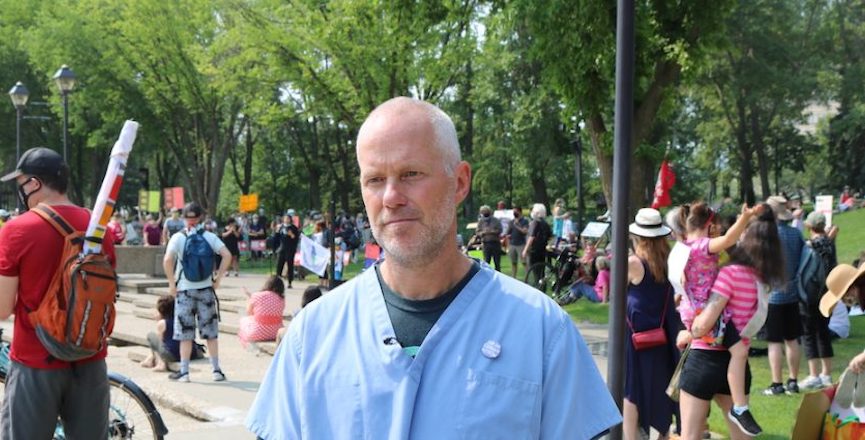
19, 95
65, 80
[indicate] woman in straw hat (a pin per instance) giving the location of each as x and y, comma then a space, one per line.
650, 305
845, 281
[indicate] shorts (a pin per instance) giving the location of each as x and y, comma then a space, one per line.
816, 336
515, 253
783, 322
732, 336
195, 304
705, 374
158, 348
78, 395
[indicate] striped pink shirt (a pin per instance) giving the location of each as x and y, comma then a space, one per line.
738, 284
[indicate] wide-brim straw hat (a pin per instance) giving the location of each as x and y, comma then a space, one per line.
779, 205
839, 281
648, 223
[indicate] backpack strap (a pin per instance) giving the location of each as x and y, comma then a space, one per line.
178, 264
58, 222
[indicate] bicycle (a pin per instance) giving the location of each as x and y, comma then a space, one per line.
131, 413
555, 274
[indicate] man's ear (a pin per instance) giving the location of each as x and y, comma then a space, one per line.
463, 174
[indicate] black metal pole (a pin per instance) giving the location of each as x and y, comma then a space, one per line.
65, 125
331, 282
578, 171
621, 179
18, 110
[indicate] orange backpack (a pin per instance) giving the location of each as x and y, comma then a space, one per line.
76, 315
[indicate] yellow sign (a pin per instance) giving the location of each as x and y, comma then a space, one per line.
153, 201
148, 201
248, 202
143, 197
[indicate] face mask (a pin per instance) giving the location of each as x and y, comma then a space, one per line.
24, 197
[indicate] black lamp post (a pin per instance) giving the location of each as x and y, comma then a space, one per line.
66, 81
19, 95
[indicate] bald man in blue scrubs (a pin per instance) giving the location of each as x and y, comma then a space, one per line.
428, 344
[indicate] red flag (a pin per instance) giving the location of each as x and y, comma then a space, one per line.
666, 180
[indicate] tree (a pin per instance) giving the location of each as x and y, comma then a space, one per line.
337, 60
845, 79
759, 84
575, 40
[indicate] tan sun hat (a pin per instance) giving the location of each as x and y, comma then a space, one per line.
839, 281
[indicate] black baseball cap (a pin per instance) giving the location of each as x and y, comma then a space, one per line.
38, 161
192, 210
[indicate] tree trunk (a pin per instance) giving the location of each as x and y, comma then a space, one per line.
468, 137
247, 164
597, 131
762, 158
746, 173
539, 186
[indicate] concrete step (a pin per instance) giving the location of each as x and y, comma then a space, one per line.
139, 283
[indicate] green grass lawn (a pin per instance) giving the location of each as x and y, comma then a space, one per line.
777, 414
851, 235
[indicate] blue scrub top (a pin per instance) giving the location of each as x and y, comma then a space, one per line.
502, 362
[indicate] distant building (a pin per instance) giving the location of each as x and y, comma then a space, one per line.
816, 112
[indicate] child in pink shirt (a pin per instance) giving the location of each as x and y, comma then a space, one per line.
602, 282
736, 286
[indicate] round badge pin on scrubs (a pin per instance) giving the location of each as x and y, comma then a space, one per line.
491, 349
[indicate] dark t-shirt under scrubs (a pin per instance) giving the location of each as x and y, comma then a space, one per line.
30, 249
413, 319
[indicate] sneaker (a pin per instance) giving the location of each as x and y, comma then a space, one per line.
776, 389
179, 377
792, 386
826, 380
745, 422
218, 376
812, 383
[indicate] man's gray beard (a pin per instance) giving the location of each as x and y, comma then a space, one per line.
430, 244
423, 256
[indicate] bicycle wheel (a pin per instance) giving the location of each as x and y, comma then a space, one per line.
541, 276
131, 413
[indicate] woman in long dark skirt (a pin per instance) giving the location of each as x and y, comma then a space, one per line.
650, 305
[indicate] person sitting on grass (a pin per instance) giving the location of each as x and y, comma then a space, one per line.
593, 286
264, 310
163, 348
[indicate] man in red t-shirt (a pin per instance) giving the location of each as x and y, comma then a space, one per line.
77, 393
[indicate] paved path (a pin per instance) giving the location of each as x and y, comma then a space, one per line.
203, 408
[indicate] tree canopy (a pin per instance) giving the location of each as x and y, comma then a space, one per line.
266, 96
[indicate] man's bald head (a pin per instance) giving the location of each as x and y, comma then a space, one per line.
403, 109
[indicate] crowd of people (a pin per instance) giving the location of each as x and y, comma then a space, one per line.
729, 277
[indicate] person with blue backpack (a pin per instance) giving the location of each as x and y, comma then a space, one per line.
188, 263
818, 259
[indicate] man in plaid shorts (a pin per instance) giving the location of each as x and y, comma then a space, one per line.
194, 300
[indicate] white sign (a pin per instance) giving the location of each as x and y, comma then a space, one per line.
313, 256
824, 204
595, 229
